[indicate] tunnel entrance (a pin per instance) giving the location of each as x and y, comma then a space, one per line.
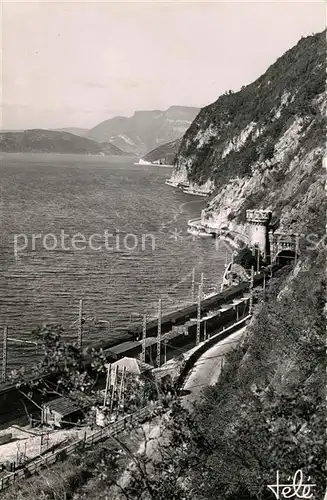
286, 257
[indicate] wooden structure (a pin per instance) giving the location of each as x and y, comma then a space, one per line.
60, 412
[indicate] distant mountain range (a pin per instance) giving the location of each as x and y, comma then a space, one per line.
51, 141
145, 130
139, 134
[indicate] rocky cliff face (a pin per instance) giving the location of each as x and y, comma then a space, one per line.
145, 130
262, 147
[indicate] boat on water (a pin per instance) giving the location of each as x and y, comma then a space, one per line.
171, 183
195, 192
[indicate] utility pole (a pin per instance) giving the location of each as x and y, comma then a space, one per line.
159, 333
80, 325
107, 385
143, 338
198, 320
205, 330
258, 259
251, 290
122, 390
4, 354
226, 265
114, 385
165, 351
202, 283
193, 284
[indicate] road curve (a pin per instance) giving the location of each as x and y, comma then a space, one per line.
206, 370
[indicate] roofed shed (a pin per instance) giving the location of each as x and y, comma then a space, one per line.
61, 411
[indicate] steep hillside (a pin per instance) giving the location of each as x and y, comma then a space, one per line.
262, 147
166, 153
267, 411
50, 141
145, 130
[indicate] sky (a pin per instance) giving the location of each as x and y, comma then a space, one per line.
75, 63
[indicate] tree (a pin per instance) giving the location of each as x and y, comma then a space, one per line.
247, 258
65, 371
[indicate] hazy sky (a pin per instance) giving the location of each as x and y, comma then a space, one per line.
78, 63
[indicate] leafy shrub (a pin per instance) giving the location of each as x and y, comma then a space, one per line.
246, 258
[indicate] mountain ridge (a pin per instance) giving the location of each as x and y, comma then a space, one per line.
145, 129
51, 141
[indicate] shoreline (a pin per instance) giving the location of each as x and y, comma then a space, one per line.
186, 188
196, 226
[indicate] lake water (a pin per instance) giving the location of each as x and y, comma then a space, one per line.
50, 195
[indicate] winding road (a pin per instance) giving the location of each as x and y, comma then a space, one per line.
207, 369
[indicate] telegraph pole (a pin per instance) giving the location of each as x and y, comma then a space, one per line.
226, 264
201, 283
114, 385
258, 260
251, 291
198, 320
4, 354
121, 389
143, 338
193, 284
80, 325
107, 385
159, 333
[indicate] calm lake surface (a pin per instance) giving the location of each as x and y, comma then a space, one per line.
51, 194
